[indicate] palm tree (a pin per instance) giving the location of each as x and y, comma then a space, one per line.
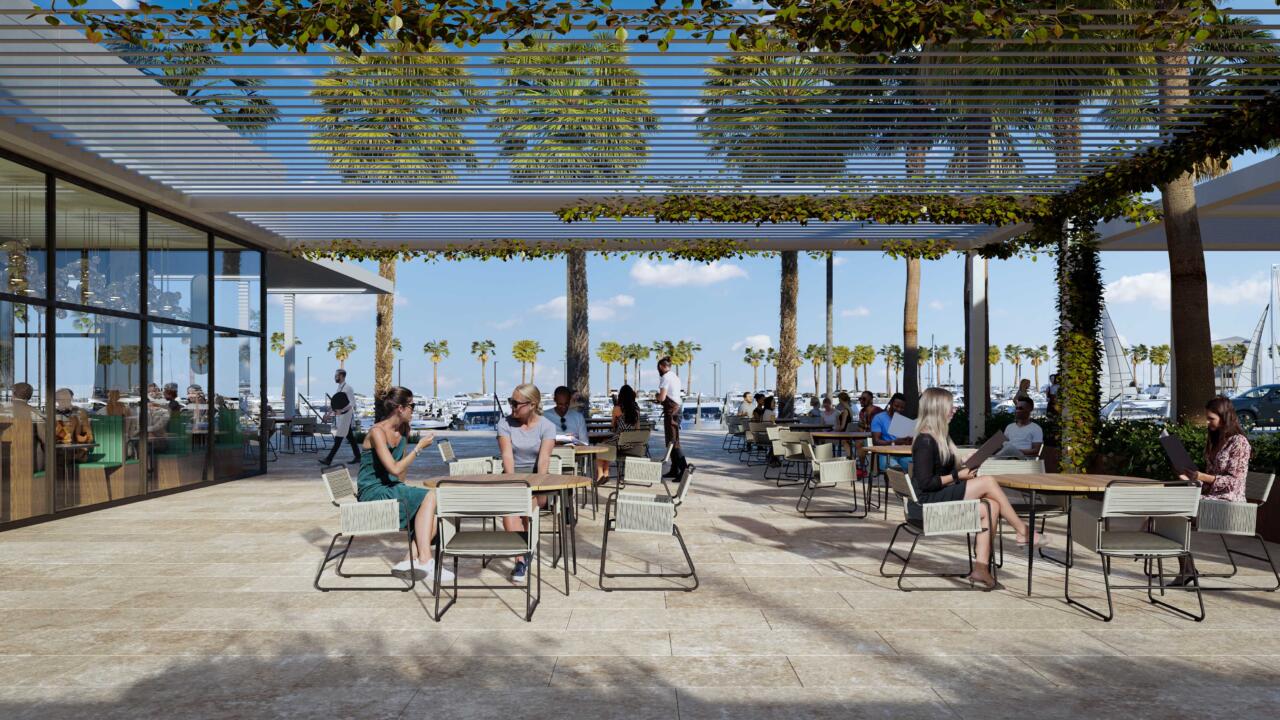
637, 353
342, 347
482, 349
396, 345
770, 359
435, 350
911, 337
892, 355
129, 355
841, 355
941, 356
753, 357
1160, 358
1037, 356
1137, 355
609, 352
864, 356
960, 358
1013, 355
183, 69
924, 355
688, 349
394, 117
526, 352
586, 121
816, 355
277, 343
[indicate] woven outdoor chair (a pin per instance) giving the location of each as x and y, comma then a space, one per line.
829, 473
1046, 509
474, 466
460, 500
568, 460
1168, 509
639, 471
377, 517
446, 451
956, 517
643, 513
735, 435
1221, 518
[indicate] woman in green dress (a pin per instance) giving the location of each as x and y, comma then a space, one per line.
382, 472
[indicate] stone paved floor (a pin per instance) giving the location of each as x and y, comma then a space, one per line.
200, 605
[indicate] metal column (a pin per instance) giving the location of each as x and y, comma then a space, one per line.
977, 382
289, 389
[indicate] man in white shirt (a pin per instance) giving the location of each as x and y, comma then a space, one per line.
568, 421
1022, 434
747, 406
342, 402
670, 394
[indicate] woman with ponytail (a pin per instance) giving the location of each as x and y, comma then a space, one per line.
382, 472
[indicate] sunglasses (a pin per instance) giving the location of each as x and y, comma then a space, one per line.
563, 425
514, 403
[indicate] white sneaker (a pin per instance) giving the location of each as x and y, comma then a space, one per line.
430, 569
403, 566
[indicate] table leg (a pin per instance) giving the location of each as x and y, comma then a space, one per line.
1031, 540
564, 537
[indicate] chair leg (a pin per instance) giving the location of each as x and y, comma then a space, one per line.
684, 549
1106, 581
1194, 585
341, 557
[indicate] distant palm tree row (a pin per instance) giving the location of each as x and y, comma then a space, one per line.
630, 355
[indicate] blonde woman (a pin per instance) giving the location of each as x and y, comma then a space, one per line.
525, 441
936, 478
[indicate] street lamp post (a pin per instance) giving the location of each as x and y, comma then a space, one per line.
399, 368
715, 377
308, 378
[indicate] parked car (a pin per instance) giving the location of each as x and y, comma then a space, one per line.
1259, 406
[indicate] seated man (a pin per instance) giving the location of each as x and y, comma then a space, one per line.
1024, 437
568, 421
869, 410
747, 406
815, 409
880, 434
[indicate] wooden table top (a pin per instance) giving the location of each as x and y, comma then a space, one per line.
843, 435
1060, 483
590, 449
898, 450
538, 482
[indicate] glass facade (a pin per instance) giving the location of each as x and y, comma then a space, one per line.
112, 388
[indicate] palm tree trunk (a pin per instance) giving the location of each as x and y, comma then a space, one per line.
533, 368
523, 366
484, 388
840, 376
788, 363
608, 377
910, 338
886, 375
1189, 292
689, 387
577, 341
831, 262
435, 374
383, 354
866, 384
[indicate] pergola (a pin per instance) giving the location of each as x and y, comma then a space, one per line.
478, 145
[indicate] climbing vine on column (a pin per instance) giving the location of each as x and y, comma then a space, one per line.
1079, 349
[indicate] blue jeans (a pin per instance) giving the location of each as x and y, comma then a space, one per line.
902, 462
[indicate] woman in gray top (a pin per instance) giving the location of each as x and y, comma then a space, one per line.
525, 441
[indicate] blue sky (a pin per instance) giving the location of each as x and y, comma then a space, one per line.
723, 305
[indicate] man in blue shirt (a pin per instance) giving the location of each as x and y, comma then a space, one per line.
880, 432
568, 421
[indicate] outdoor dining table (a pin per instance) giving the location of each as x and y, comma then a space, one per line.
840, 435
566, 524
1056, 484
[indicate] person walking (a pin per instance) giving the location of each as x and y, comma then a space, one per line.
669, 397
342, 402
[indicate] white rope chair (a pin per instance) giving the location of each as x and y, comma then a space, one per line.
568, 460
828, 473
1045, 509
642, 513
735, 434
474, 466
355, 518
446, 451
459, 500
639, 471
1167, 508
955, 517
1222, 518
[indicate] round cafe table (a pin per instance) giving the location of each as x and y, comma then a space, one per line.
566, 524
1056, 484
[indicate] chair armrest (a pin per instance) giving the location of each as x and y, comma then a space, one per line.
366, 518
1086, 525
1227, 518
953, 517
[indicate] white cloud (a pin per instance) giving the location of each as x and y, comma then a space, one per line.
937, 305
692, 108
838, 260
1153, 288
558, 307
681, 273
759, 342
337, 309
860, 311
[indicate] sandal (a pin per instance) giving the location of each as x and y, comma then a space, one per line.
1038, 540
985, 579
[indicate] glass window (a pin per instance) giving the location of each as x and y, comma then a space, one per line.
22, 244
237, 387
178, 268
97, 257
178, 405
96, 409
24, 483
237, 286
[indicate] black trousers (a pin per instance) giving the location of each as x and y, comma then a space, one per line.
337, 442
671, 417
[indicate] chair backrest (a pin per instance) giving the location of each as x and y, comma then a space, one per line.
108, 433
1257, 486
485, 498
773, 432
837, 471
900, 482
338, 483
682, 486
1151, 500
823, 452
633, 438
641, 471
446, 451
566, 457
1012, 466
471, 466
